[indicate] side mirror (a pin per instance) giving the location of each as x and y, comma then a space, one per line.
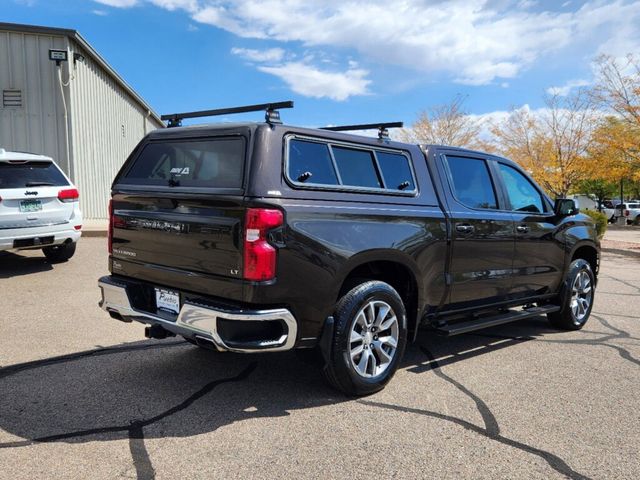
565, 207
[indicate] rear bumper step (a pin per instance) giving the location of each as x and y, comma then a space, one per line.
511, 316
267, 330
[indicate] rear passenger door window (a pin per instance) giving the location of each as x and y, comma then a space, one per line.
523, 196
471, 182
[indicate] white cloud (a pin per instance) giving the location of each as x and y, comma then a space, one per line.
565, 89
118, 3
527, 4
268, 55
310, 81
496, 117
473, 41
305, 78
100, 13
190, 6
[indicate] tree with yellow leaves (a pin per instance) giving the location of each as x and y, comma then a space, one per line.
614, 148
552, 143
617, 138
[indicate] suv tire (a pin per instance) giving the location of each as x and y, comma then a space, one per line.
60, 253
576, 297
370, 336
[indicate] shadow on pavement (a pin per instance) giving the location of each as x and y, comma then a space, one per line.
100, 395
450, 350
13, 265
114, 392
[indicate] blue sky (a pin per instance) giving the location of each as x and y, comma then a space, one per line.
345, 61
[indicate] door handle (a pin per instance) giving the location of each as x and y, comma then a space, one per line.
464, 228
522, 229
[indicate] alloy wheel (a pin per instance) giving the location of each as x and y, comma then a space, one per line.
373, 338
581, 296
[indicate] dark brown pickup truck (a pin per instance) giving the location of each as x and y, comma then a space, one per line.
254, 237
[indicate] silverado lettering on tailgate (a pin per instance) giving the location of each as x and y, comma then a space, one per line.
162, 225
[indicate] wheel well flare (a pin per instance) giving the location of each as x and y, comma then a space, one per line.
395, 274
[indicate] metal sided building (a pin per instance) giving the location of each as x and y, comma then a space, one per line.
62, 99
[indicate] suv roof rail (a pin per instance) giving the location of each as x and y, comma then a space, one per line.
271, 112
382, 128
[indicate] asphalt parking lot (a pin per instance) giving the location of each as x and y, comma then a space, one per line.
84, 396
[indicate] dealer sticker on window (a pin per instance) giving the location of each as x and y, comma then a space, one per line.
167, 300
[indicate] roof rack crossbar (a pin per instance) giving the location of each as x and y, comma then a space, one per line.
382, 128
271, 115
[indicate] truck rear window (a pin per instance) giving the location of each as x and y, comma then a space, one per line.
30, 174
211, 163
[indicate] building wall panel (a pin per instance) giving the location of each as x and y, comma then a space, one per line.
107, 123
24, 65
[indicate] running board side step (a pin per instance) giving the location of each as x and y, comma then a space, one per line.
508, 317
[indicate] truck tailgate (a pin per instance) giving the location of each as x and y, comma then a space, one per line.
180, 232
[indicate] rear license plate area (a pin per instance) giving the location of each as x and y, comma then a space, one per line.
31, 205
167, 301
32, 242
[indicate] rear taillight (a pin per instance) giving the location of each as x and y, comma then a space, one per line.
627, 213
259, 256
110, 232
68, 195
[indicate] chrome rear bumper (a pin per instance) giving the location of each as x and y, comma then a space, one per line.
201, 321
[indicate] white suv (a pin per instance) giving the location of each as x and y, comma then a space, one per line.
38, 206
631, 210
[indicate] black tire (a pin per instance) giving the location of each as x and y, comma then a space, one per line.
567, 318
341, 371
60, 253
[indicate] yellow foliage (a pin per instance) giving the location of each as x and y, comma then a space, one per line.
615, 150
551, 144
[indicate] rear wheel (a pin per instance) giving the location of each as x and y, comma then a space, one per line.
60, 253
370, 336
576, 297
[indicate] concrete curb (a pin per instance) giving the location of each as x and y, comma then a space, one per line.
622, 228
94, 233
619, 251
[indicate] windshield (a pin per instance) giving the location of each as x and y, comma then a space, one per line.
30, 174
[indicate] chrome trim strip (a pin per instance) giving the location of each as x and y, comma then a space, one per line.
202, 320
17, 226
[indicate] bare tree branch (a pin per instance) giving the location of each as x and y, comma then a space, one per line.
447, 124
